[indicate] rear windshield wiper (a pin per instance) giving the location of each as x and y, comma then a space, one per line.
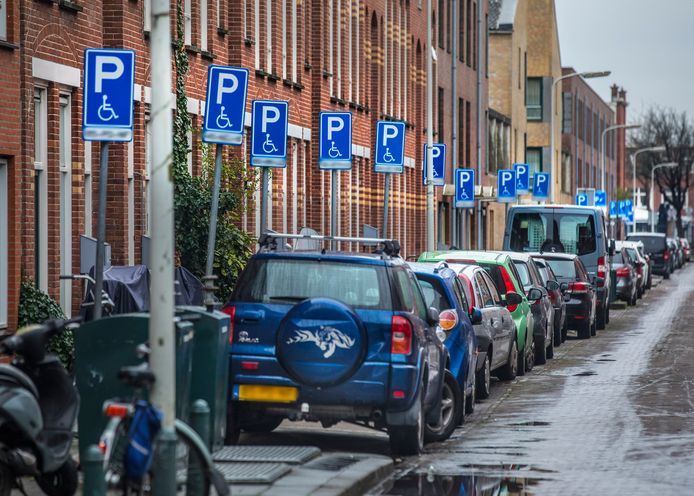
288, 298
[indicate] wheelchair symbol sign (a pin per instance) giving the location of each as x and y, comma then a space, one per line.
438, 156
541, 186
600, 198
225, 105
506, 185
108, 94
464, 188
335, 141
522, 178
390, 146
270, 126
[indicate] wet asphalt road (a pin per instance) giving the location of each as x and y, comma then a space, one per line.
611, 415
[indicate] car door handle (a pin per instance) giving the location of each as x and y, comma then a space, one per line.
251, 316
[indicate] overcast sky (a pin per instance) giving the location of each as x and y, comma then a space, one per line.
647, 44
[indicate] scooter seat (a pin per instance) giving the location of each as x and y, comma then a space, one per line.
139, 376
12, 376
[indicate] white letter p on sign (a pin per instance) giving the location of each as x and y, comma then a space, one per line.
389, 131
221, 88
267, 118
335, 125
101, 73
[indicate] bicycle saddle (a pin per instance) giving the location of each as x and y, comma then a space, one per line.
138, 376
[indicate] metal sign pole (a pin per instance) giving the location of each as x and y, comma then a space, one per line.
333, 208
386, 195
212, 235
264, 194
100, 230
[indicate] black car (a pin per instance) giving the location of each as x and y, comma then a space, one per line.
580, 295
656, 246
555, 296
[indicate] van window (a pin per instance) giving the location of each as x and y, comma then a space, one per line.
545, 231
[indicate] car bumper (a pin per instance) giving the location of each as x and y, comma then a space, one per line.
577, 311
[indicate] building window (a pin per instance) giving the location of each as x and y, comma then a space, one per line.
461, 133
475, 29
566, 173
440, 115
65, 167
468, 49
88, 185
442, 24
220, 24
4, 241
449, 25
146, 15
203, 25
131, 203
461, 31
256, 32
498, 135
533, 99
268, 37
187, 21
148, 173
533, 157
40, 190
3, 19
568, 114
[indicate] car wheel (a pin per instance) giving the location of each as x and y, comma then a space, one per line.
469, 402
451, 410
633, 299
594, 329
540, 351
550, 347
62, 482
607, 313
667, 274
557, 337
510, 370
601, 318
409, 439
483, 381
584, 330
233, 430
530, 357
520, 369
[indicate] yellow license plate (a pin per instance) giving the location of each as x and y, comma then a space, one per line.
271, 394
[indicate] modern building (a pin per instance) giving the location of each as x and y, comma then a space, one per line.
367, 57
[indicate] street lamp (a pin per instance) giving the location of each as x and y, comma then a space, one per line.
633, 156
602, 144
651, 202
584, 75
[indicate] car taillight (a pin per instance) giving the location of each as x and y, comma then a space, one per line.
601, 270
509, 287
578, 287
666, 255
400, 336
231, 312
448, 319
623, 272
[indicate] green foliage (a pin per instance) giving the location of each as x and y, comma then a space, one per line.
36, 307
193, 195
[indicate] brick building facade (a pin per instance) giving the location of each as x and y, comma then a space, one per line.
367, 57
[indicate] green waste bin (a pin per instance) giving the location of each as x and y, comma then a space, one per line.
102, 347
210, 372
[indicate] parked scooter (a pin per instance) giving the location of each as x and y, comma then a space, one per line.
38, 408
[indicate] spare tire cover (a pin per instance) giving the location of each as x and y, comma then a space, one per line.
321, 342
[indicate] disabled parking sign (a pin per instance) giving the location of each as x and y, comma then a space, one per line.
225, 106
522, 178
438, 155
464, 188
600, 198
335, 141
613, 208
270, 122
582, 199
506, 184
541, 186
390, 147
109, 77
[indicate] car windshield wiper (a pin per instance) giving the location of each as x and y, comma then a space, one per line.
288, 298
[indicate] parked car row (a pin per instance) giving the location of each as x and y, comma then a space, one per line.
409, 348
665, 255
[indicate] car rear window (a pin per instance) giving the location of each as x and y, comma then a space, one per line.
434, 293
542, 231
495, 274
563, 268
651, 244
524, 273
291, 281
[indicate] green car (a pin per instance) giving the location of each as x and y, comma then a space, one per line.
502, 271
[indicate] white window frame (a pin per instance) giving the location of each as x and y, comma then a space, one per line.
331, 51
256, 32
219, 16
88, 186
295, 76
338, 25
146, 177
3, 19
283, 4
350, 53
187, 22
357, 55
4, 242
40, 162
65, 170
131, 203
268, 37
147, 15
385, 57
203, 25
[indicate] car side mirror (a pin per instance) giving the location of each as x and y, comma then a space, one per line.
513, 298
433, 316
564, 287
552, 285
612, 248
475, 316
534, 294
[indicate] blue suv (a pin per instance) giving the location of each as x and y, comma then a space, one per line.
329, 337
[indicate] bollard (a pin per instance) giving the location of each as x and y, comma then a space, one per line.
613, 286
93, 466
164, 466
200, 422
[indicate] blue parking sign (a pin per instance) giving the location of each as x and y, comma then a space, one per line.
270, 122
613, 208
506, 186
225, 106
438, 155
582, 199
335, 141
522, 178
541, 186
109, 82
464, 188
390, 147
621, 208
600, 198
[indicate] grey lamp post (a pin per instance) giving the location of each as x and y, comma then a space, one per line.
602, 144
633, 157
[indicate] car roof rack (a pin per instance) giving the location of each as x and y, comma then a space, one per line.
273, 241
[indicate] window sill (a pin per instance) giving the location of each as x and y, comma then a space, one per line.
207, 55
222, 31
70, 6
6, 45
192, 49
50, 2
307, 66
327, 74
339, 101
248, 42
261, 73
273, 77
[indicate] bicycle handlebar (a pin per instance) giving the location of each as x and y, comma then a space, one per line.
31, 342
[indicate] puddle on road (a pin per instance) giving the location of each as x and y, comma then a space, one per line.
460, 485
532, 423
586, 373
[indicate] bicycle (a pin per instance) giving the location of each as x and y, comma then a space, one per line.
107, 304
195, 472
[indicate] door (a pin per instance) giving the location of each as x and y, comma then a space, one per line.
503, 322
491, 319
